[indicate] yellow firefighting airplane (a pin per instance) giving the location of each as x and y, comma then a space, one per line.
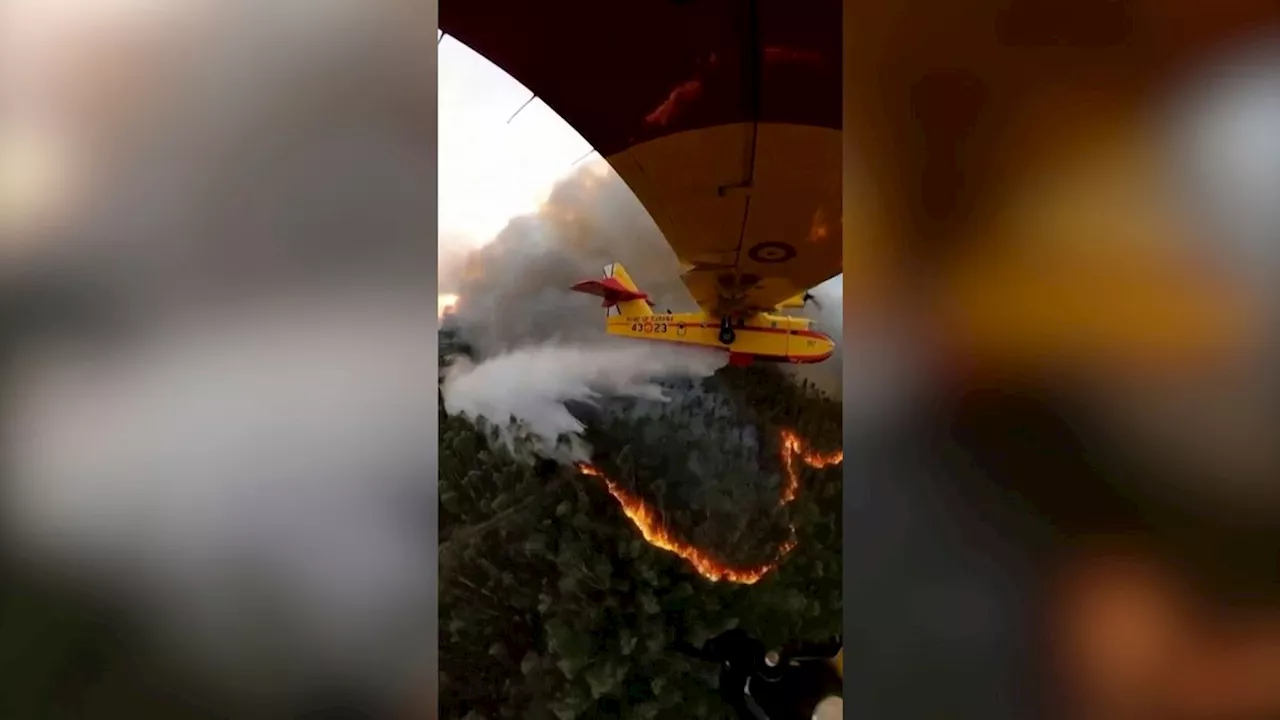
747, 336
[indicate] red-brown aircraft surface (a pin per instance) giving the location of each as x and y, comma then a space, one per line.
724, 118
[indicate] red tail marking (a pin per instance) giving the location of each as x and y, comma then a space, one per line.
611, 290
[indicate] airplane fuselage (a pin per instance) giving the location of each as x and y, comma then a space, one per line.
764, 336
747, 337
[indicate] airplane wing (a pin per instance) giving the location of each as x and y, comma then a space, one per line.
723, 116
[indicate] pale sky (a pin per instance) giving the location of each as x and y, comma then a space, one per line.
491, 171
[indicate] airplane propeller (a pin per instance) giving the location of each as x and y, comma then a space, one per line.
809, 298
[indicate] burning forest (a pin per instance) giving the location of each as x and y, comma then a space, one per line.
601, 500
653, 529
701, 502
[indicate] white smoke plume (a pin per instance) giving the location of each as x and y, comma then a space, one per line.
533, 384
515, 290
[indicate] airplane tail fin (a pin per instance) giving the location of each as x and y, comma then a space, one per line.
796, 302
619, 291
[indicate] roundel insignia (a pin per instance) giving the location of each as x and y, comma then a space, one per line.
771, 252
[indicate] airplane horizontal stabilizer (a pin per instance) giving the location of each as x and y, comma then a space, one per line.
610, 289
617, 289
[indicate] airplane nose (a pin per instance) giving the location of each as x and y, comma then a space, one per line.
828, 346
816, 347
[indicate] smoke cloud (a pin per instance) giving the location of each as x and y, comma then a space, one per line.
534, 384
515, 290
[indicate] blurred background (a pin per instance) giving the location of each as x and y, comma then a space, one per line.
216, 265
1066, 215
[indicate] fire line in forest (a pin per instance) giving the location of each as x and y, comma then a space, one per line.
649, 522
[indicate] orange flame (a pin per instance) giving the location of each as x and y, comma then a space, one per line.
793, 446
649, 522
680, 97
446, 303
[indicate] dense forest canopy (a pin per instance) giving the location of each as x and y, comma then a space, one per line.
552, 603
